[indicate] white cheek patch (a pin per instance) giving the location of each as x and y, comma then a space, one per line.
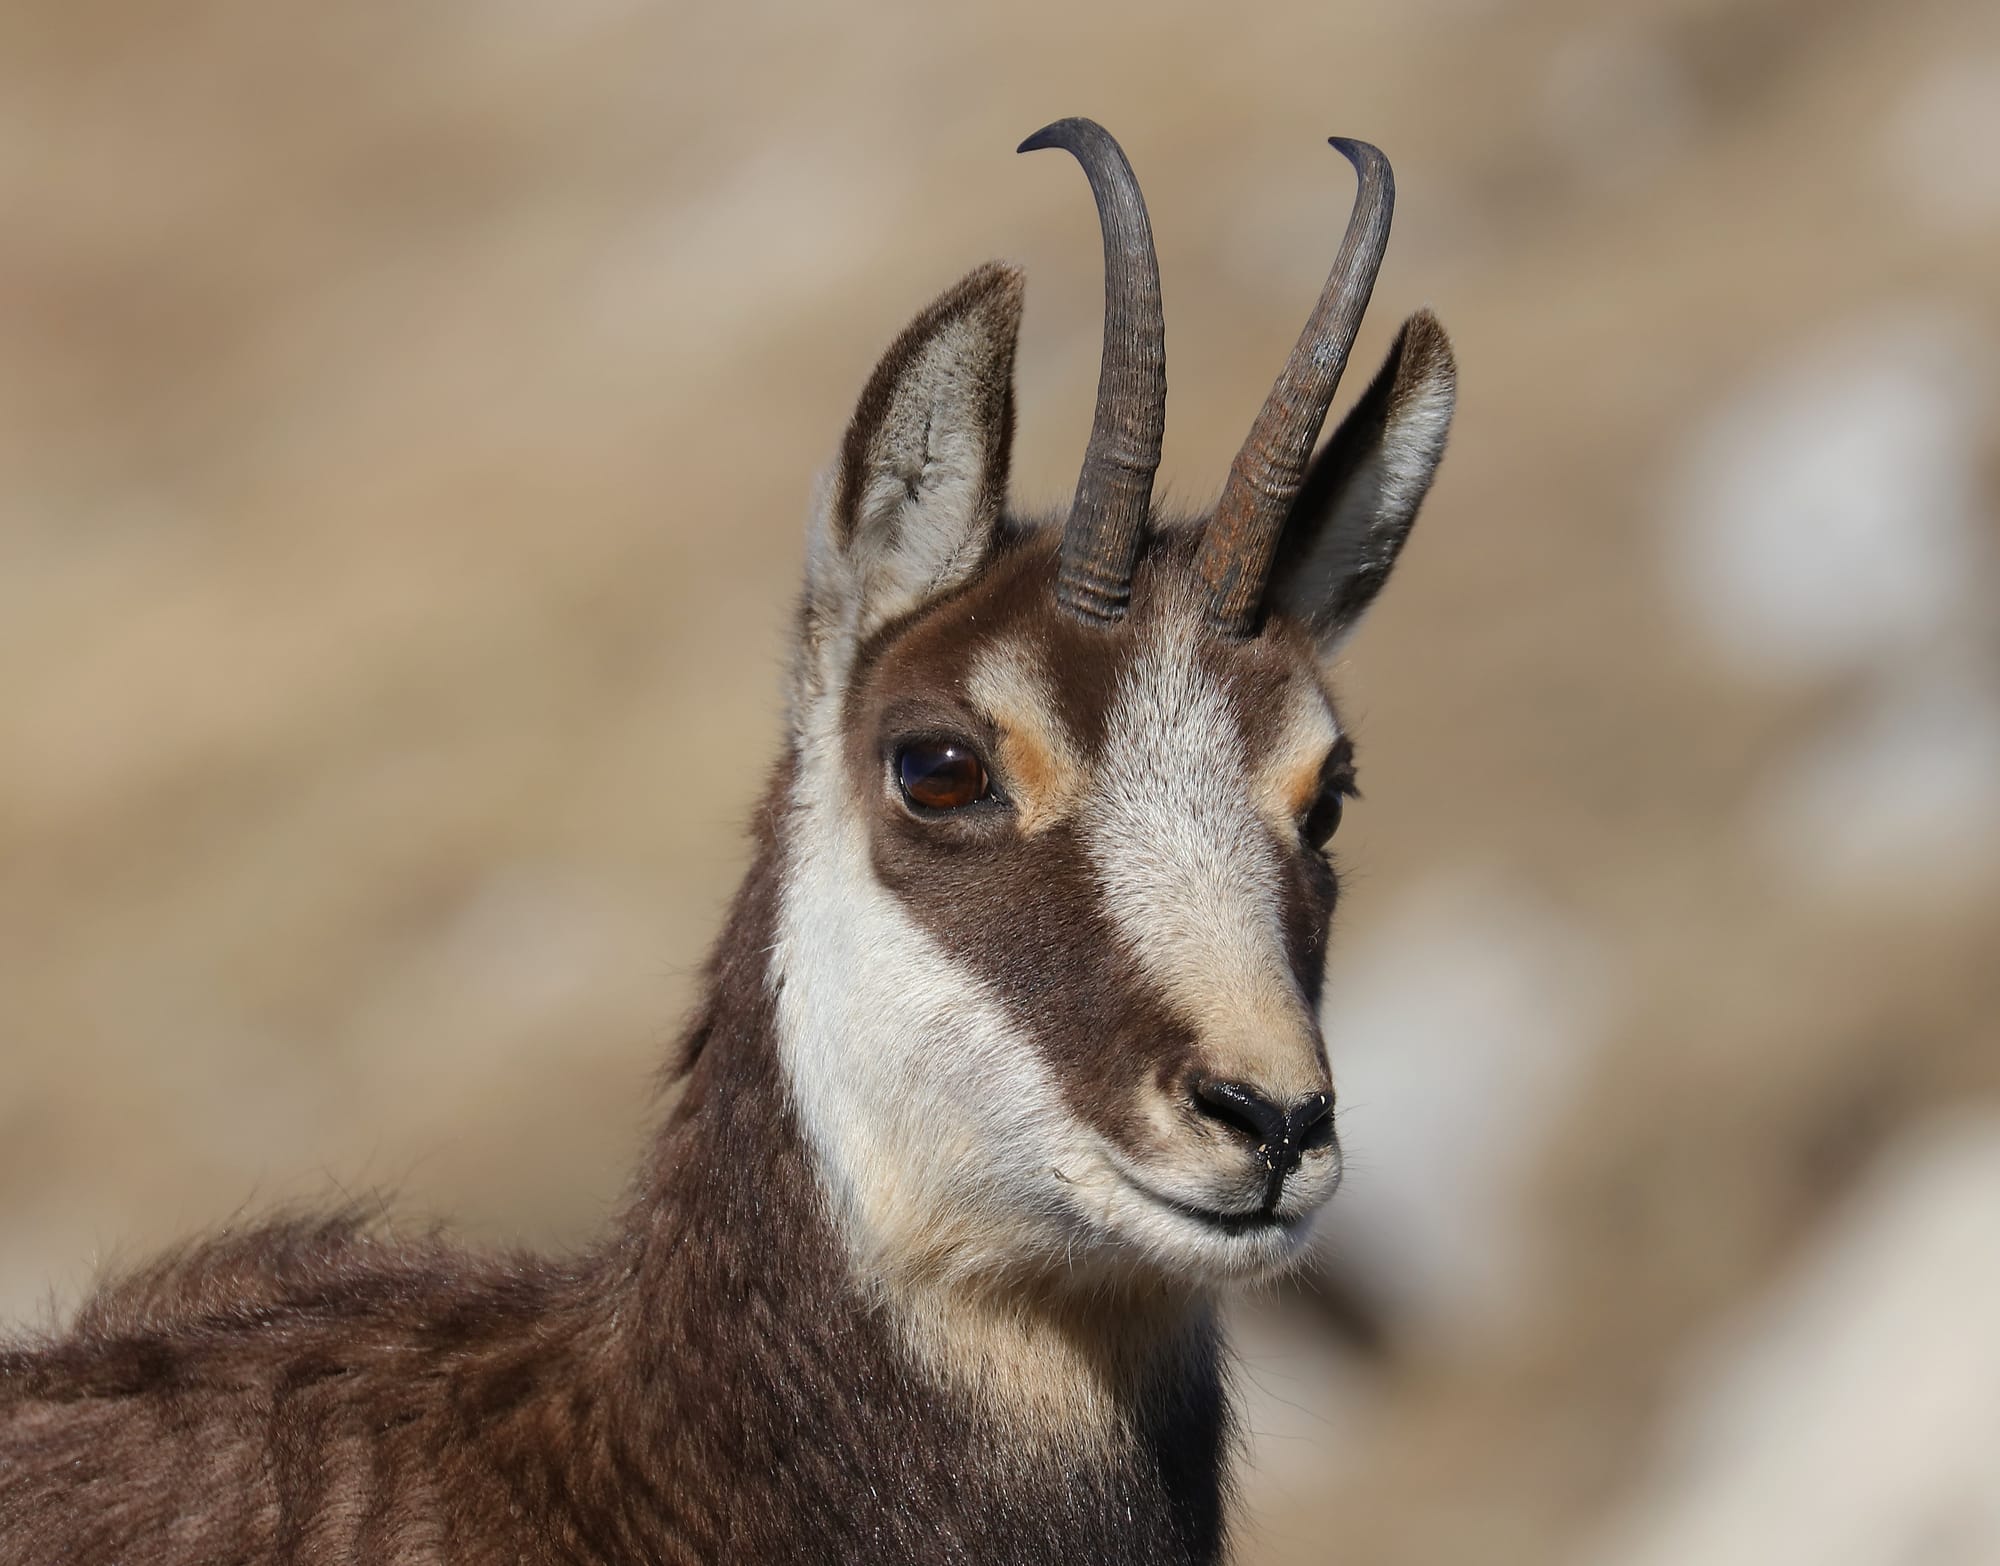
960, 1182
992, 1220
1189, 876
936, 1125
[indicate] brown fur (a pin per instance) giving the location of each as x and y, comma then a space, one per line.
1056, 939
719, 1380
707, 1385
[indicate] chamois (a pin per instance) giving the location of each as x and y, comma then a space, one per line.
1007, 1059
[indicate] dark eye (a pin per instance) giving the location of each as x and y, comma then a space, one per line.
1322, 820
938, 775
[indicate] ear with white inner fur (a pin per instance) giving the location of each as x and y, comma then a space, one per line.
1361, 495
911, 506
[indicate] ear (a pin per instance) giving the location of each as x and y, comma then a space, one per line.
1361, 495
910, 509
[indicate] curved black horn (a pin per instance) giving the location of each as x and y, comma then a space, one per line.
1265, 477
1114, 491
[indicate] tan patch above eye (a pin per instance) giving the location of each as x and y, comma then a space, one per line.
1289, 780
1302, 788
1043, 773
1047, 786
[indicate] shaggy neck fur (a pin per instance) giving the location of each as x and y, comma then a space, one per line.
721, 1381
900, 1282
878, 1416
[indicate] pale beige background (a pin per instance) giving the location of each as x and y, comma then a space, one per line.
407, 416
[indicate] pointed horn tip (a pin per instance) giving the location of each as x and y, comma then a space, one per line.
1364, 155
1061, 133
1354, 149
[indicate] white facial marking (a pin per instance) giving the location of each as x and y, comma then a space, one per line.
968, 1194
933, 1120
1189, 873
960, 1179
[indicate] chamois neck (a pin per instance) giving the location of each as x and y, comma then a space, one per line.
727, 1163
735, 1264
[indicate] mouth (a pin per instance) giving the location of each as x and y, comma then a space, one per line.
1256, 1220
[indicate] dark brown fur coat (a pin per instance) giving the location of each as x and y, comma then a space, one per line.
709, 1385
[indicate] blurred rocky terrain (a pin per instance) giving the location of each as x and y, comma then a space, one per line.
407, 417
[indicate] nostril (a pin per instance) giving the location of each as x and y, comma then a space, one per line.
1280, 1137
1243, 1108
1310, 1124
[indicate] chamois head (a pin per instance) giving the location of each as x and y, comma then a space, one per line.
1056, 887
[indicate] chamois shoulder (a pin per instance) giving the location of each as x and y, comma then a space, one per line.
300, 1276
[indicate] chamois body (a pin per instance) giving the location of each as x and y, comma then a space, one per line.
710, 1385
1008, 1057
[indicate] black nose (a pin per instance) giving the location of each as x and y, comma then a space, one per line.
1280, 1135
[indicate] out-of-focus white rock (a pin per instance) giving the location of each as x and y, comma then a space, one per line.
1457, 1032
1828, 513
1937, 157
1852, 1417
1900, 798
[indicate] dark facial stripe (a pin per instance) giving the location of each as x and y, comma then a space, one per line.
1026, 913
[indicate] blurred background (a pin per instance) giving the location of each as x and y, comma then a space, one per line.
407, 419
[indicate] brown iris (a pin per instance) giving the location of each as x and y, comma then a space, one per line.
940, 775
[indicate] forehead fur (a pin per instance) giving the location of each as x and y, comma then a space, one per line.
1003, 642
